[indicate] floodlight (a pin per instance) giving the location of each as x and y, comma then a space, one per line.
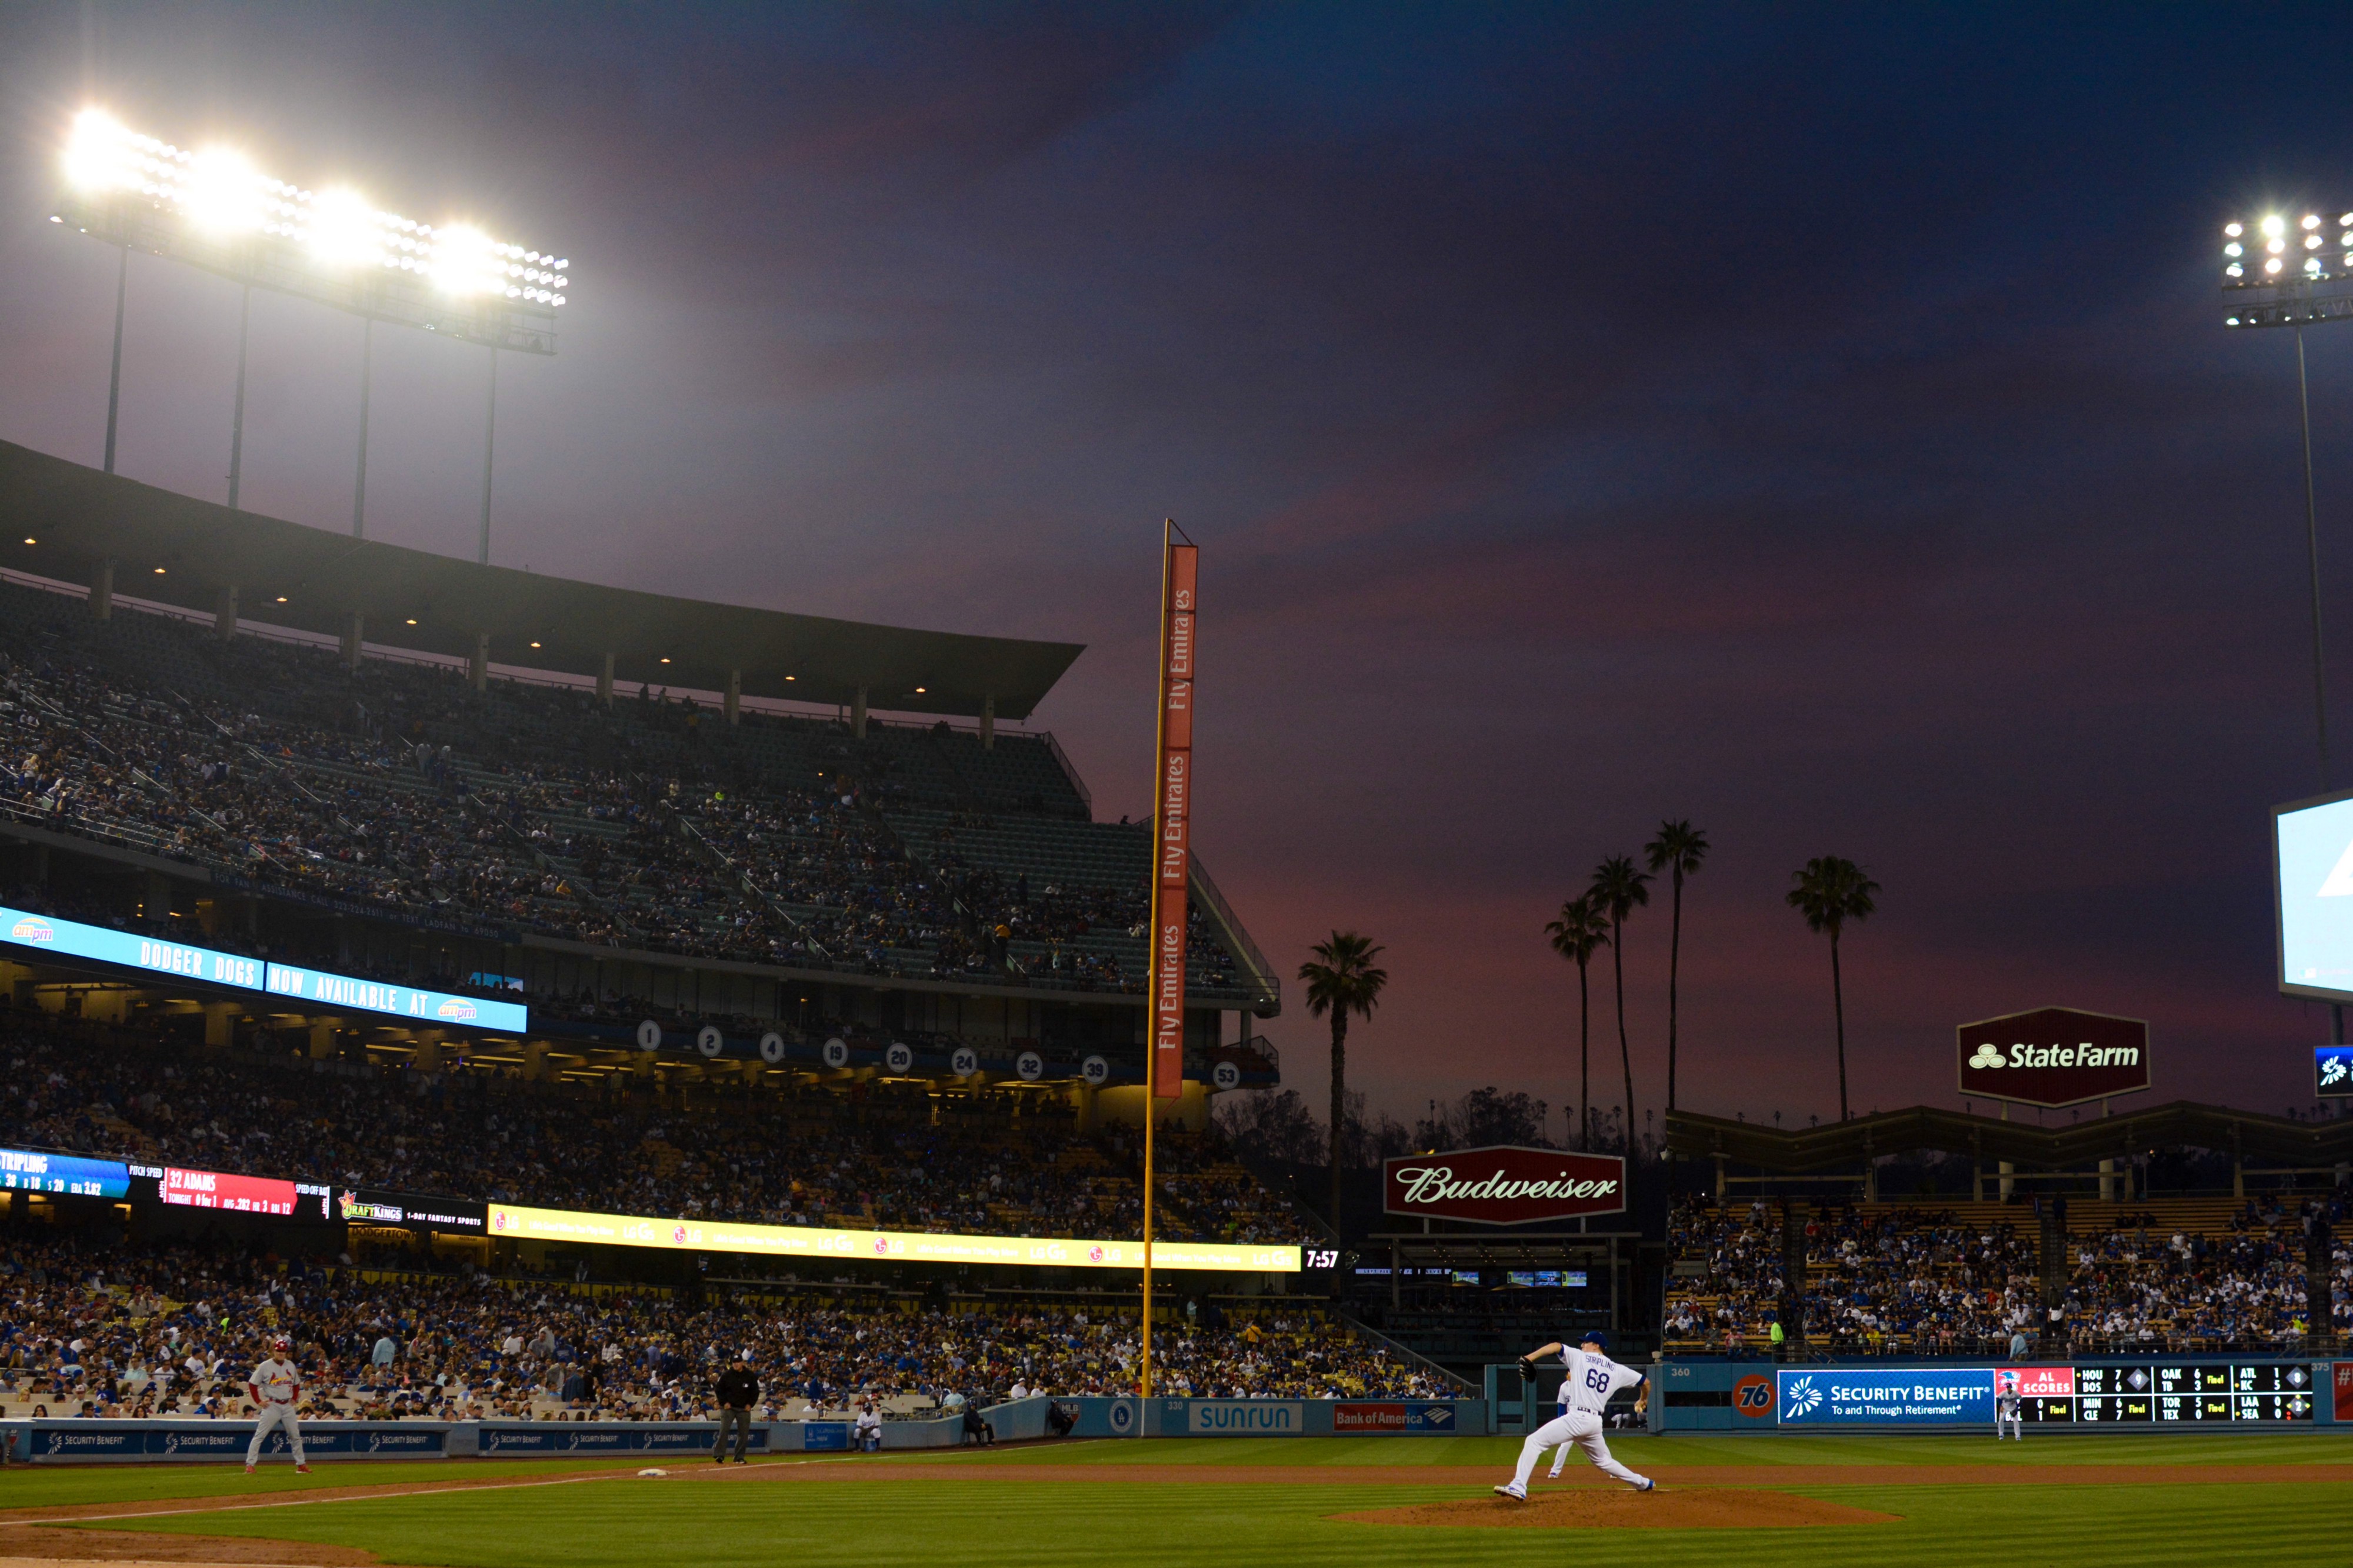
222, 192
2275, 224
343, 230
215, 209
2312, 220
2234, 229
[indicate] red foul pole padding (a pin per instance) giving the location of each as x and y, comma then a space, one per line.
1173, 820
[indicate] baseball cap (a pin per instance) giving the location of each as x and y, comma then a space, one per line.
1595, 1338
281, 1344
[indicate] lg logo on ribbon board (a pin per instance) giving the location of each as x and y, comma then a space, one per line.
2053, 1057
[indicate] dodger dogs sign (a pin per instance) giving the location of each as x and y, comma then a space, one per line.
1503, 1184
2053, 1057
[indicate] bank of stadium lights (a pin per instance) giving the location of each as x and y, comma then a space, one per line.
212, 208
2294, 270
219, 192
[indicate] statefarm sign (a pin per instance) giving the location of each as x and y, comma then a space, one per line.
1503, 1184
2053, 1057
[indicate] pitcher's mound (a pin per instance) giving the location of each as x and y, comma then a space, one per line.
1730, 1507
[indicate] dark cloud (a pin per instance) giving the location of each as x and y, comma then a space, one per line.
1817, 423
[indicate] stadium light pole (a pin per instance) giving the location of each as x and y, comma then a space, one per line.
359, 485
489, 440
236, 420
114, 377
212, 209
2276, 273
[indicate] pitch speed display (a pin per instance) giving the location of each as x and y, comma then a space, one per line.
2157, 1395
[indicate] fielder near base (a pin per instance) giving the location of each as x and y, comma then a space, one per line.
275, 1386
1593, 1377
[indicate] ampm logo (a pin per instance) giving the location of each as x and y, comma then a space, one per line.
458, 1009
1801, 1399
31, 929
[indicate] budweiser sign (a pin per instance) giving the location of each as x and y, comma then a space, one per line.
2053, 1057
1503, 1184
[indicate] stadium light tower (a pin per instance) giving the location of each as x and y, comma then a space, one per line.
2279, 272
211, 208
2282, 271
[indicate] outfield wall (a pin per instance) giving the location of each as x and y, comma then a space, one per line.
194, 1441
2180, 1394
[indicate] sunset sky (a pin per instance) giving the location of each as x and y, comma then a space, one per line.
1818, 422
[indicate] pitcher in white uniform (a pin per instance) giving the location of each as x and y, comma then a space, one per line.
275, 1386
1593, 1377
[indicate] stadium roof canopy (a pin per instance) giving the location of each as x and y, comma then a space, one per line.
78, 519
1849, 1145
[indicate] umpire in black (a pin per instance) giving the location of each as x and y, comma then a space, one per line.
738, 1390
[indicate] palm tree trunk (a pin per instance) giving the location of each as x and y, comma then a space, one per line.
1583, 1064
1339, 1104
1625, 1056
1674, 967
1838, 1010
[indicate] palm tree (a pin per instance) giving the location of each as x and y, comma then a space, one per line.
1680, 848
1830, 892
1576, 935
1341, 980
1617, 889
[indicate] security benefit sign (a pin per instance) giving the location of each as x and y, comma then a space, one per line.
2332, 1073
1503, 1184
1925, 1396
2053, 1057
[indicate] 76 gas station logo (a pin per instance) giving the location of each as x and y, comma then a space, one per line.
1752, 1396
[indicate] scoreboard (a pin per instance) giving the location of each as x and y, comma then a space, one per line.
2153, 1392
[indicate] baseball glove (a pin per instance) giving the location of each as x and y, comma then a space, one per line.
1529, 1367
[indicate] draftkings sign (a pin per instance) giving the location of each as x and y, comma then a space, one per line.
2053, 1057
1503, 1184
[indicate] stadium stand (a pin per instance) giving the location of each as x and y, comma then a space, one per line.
132, 1329
399, 789
887, 1156
1940, 1279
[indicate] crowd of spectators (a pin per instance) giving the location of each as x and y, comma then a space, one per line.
1925, 1281
342, 790
2143, 1283
895, 1157
157, 1329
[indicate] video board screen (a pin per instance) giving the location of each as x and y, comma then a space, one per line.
2311, 848
887, 1245
2158, 1394
231, 1194
68, 1175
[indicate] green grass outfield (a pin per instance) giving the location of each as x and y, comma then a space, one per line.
961, 1508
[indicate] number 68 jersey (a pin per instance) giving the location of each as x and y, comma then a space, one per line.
1591, 1379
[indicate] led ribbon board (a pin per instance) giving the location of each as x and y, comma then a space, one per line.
22, 928
899, 1247
70, 1175
408, 1002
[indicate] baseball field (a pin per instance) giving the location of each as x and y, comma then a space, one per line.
1820, 1502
